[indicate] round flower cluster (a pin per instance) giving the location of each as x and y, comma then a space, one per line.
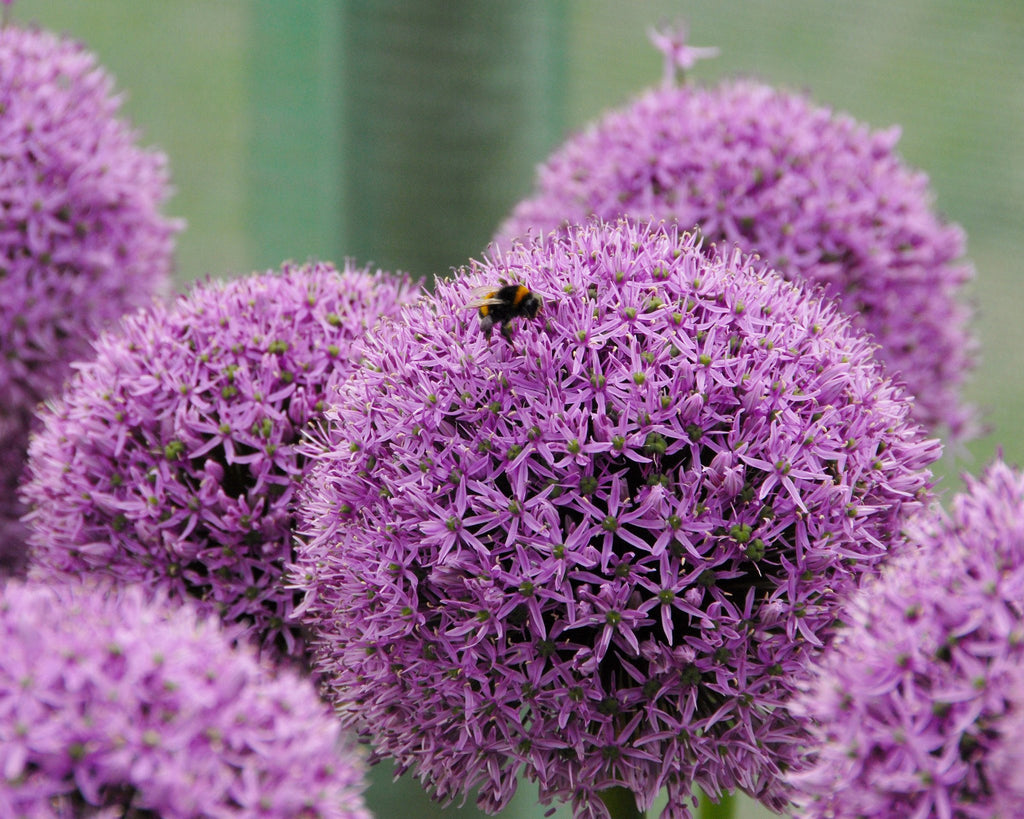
916, 705
818, 196
108, 700
82, 239
601, 543
172, 458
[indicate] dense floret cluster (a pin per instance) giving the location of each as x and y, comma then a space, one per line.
82, 239
172, 458
818, 196
917, 705
601, 543
115, 705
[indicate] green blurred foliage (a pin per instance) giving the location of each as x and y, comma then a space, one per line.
248, 98
182, 69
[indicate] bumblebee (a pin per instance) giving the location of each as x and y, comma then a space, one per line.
504, 304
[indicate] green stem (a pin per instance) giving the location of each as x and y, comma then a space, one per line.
724, 808
621, 803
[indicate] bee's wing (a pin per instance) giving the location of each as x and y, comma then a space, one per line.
483, 295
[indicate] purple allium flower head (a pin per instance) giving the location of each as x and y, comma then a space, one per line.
599, 544
110, 700
818, 196
916, 706
172, 457
82, 239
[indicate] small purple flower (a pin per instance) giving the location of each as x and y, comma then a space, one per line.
680, 56
818, 196
601, 543
916, 706
82, 239
172, 458
109, 700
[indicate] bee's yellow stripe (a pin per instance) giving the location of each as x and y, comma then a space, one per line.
485, 309
521, 293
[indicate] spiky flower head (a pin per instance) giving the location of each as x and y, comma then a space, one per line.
172, 457
116, 705
601, 543
915, 705
819, 196
82, 239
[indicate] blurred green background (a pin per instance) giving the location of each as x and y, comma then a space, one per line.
402, 133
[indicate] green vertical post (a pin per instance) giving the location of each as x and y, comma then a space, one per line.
294, 169
448, 106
